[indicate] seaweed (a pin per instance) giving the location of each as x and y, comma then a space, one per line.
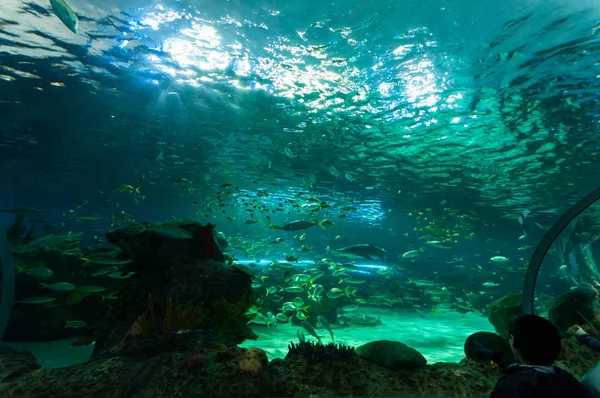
318, 352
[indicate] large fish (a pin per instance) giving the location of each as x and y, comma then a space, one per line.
25, 212
309, 328
65, 13
325, 323
362, 250
303, 224
359, 319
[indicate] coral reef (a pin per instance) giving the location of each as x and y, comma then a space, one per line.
235, 372
576, 357
218, 374
183, 317
317, 352
358, 377
253, 361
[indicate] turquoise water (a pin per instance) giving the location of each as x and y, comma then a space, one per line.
448, 134
58, 353
439, 338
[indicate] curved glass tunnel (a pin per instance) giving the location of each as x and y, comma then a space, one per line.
562, 280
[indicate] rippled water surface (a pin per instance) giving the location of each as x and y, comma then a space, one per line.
493, 103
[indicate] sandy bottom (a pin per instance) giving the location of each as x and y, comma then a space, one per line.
57, 354
439, 337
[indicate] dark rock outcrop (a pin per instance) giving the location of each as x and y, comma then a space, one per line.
486, 345
177, 298
503, 311
14, 363
574, 307
391, 354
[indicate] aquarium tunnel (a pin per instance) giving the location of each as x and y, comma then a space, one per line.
571, 236
259, 198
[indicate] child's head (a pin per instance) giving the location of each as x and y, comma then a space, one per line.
534, 340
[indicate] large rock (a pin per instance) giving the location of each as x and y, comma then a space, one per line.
478, 344
15, 363
163, 241
573, 307
391, 354
504, 311
177, 299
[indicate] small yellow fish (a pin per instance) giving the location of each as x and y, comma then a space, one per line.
127, 188
288, 152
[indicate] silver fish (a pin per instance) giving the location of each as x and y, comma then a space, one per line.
36, 300
309, 328
362, 250
76, 324
59, 286
302, 224
90, 289
301, 337
38, 272
326, 325
120, 275
65, 13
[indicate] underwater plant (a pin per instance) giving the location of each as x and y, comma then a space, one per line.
318, 352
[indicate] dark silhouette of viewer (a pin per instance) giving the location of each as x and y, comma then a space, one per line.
535, 342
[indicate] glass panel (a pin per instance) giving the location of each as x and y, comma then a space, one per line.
7, 281
568, 281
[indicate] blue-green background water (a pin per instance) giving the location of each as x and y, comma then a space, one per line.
473, 112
